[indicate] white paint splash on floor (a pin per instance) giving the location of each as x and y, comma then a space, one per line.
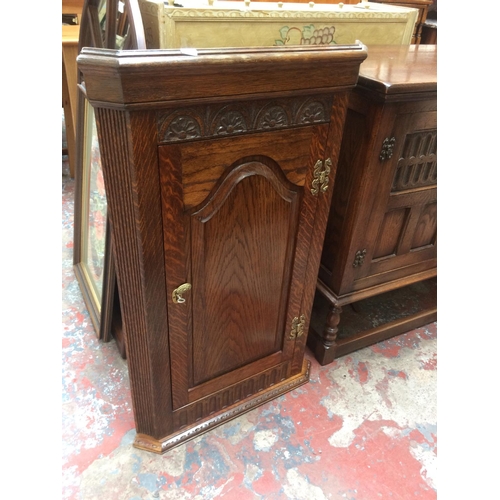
264, 440
299, 488
384, 396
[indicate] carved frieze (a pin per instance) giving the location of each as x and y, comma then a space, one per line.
213, 120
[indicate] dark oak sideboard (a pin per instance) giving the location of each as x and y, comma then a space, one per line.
382, 227
218, 172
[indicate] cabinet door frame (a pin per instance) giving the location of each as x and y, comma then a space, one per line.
180, 269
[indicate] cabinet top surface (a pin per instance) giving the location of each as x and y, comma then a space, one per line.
391, 69
146, 77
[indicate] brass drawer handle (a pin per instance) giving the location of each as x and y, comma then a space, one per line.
177, 293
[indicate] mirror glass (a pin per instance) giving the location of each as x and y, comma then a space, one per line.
101, 13
94, 211
122, 27
119, 25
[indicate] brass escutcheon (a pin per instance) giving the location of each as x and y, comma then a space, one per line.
177, 293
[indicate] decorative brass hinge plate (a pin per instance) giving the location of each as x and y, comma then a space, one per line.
359, 258
387, 148
321, 176
297, 327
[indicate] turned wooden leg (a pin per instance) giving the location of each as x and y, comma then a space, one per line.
331, 328
323, 344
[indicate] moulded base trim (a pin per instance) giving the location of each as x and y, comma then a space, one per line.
148, 443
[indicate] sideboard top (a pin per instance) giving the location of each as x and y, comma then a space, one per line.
391, 69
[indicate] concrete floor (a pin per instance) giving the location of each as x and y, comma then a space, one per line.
364, 428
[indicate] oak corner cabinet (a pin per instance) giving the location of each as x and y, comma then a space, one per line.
382, 228
218, 171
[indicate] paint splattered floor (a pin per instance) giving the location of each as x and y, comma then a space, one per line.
364, 428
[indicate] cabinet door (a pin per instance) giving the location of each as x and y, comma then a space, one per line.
401, 235
237, 221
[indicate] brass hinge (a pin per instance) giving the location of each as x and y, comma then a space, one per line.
387, 148
297, 327
320, 180
359, 258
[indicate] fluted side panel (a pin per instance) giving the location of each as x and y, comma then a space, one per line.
119, 181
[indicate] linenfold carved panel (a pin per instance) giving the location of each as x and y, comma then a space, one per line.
200, 122
417, 166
